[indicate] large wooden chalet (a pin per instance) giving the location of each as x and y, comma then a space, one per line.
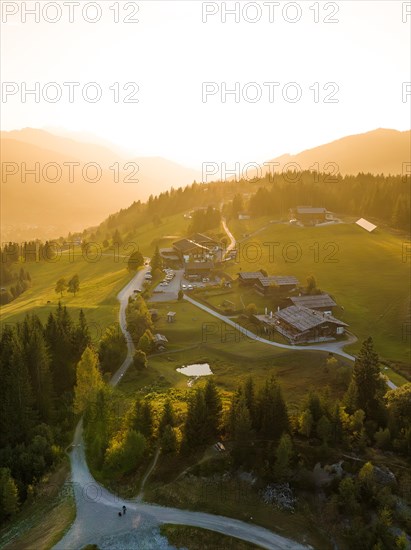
300, 324
196, 247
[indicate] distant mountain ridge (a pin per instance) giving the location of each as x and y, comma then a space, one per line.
45, 209
48, 209
380, 151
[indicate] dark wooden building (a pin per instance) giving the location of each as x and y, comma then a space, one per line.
309, 215
302, 325
198, 269
275, 283
318, 302
249, 278
170, 257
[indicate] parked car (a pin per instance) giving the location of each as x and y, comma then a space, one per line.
190, 287
148, 276
184, 287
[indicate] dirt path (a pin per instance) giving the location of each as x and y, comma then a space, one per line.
148, 473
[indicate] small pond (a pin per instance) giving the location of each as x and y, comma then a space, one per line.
197, 369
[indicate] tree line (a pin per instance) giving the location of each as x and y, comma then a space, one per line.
387, 198
39, 400
261, 435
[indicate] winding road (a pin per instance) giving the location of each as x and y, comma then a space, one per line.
97, 508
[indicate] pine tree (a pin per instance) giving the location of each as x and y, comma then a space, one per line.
117, 240
38, 361
168, 440
249, 394
156, 261
88, 380
16, 392
167, 418
82, 334
283, 455
9, 496
135, 261
367, 379
272, 414
213, 409
143, 418
242, 431
195, 427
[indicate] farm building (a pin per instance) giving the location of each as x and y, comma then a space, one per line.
309, 215
159, 342
318, 302
273, 283
187, 250
196, 247
249, 278
204, 240
171, 317
302, 325
198, 269
170, 257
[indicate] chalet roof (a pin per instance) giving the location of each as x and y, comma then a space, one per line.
250, 275
184, 245
159, 338
314, 301
201, 238
279, 280
202, 266
303, 318
169, 253
310, 210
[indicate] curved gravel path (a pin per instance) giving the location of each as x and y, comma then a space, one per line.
97, 508
331, 347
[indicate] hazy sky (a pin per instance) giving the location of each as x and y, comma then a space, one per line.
171, 52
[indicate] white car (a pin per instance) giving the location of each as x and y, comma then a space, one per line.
184, 287
148, 277
190, 287
164, 283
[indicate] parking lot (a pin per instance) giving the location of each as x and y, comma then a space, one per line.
164, 293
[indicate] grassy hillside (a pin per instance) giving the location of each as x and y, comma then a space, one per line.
197, 337
100, 281
365, 272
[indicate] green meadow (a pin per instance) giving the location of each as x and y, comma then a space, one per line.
100, 278
197, 337
366, 273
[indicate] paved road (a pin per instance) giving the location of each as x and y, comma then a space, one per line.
97, 508
231, 237
330, 347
